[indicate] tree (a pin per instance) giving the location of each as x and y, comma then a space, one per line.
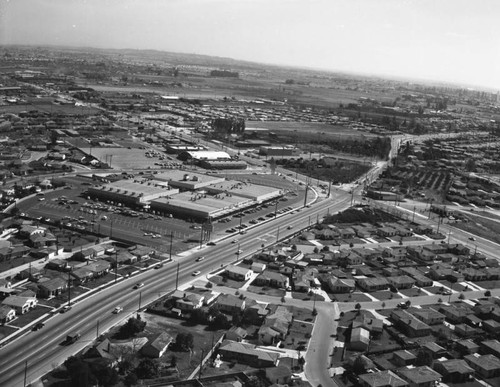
220, 321
79, 372
358, 307
197, 317
106, 376
423, 358
487, 293
184, 341
173, 361
131, 327
147, 369
131, 379
358, 367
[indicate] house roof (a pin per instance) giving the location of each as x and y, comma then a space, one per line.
454, 366
249, 349
237, 270
230, 300
160, 341
423, 374
486, 362
5, 310
17, 301
53, 284
383, 379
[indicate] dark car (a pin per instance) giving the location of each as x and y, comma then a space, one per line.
38, 325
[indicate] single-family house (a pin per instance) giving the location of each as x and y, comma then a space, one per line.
372, 284
238, 273
247, 354
157, 345
273, 279
434, 349
340, 285
401, 282
279, 375
403, 358
52, 287
429, 316
227, 303
466, 346
381, 379
409, 324
103, 351
21, 305
360, 339
258, 267
236, 334
454, 370
487, 366
422, 376
490, 347
491, 326
7, 313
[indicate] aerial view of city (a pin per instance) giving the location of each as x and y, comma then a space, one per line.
249, 193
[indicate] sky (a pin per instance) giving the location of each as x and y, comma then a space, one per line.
443, 40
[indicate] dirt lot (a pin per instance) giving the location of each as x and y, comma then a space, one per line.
267, 291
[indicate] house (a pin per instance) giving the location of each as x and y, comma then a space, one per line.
401, 282
238, 273
21, 305
409, 324
258, 267
99, 267
255, 313
403, 358
58, 264
187, 301
490, 347
275, 326
429, 316
236, 334
157, 345
279, 375
103, 351
360, 339
466, 346
491, 326
454, 371
487, 366
247, 354
338, 285
52, 287
374, 325
381, 379
302, 281
227, 303
422, 281
82, 275
465, 330
423, 376
455, 314
434, 349
273, 279
372, 284
7, 313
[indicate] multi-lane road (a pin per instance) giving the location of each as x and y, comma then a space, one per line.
38, 352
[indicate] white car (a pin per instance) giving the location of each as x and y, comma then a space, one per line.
195, 273
117, 310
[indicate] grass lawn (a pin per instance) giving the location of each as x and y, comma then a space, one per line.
7, 331
433, 289
488, 284
222, 281
385, 295
32, 315
350, 297
307, 296
412, 292
299, 335
267, 291
107, 278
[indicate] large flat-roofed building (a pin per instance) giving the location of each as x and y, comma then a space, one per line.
223, 164
204, 155
285, 150
189, 204
187, 180
178, 148
257, 193
132, 192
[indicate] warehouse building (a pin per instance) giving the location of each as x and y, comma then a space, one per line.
198, 156
131, 193
257, 193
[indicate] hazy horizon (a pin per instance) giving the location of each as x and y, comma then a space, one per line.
449, 41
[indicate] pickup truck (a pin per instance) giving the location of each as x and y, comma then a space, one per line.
72, 337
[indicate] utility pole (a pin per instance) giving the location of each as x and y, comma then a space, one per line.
25, 372
201, 364
276, 209
69, 288
116, 266
171, 240
305, 197
278, 234
177, 277
140, 299
97, 330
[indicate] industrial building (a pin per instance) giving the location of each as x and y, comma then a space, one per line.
187, 180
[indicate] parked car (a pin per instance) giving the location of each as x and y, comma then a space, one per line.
66, 308
38, 325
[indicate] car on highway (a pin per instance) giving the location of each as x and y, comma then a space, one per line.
117, 310
234, 241
211, 244
158, 266
472, 238
139, 285
200, 258
239, 251
38, 325
289, 227
66, 309
195, 273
